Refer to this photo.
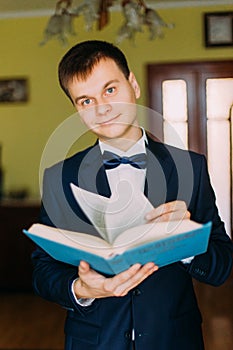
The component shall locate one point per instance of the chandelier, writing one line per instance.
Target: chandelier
(136, 16)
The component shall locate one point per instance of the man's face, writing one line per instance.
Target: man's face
(106, 101)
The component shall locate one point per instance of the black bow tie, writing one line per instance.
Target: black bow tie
(112, 160)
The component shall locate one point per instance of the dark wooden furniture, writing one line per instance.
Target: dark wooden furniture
(15, 247)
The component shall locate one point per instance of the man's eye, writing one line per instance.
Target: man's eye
(110, 90)
(86, 102)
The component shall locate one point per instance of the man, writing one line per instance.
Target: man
(143, 307)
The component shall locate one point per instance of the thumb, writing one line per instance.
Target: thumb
(83, 267)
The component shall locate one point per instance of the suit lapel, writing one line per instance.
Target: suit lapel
(161, 176)
(86, 171)
(92, 176)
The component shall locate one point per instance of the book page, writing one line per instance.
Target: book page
(152, 232)
(126, 208)
(76, 240)
(94, 206)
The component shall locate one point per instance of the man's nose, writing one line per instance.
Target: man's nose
(103, 108)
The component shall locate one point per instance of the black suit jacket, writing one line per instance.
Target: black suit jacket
(163, 309)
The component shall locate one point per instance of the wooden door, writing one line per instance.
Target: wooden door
(207, 102)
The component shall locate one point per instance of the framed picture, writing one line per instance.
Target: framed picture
(13, 90)
(218, 29)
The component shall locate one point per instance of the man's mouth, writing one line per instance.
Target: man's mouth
(108, 121)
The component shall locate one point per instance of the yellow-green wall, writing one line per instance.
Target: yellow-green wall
(25, 128)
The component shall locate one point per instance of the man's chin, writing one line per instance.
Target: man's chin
(109, 131)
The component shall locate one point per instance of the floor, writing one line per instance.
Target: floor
(216, 304)
(30, 323)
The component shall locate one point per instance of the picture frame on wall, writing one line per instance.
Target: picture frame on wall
(218, 29)
(13, 90)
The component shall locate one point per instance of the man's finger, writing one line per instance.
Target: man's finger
(127, 280)
(164, 211)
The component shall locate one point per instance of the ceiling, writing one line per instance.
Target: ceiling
(18, 8)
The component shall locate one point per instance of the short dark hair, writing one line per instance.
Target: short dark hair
(81, 58)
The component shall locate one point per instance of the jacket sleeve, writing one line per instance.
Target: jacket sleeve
(214, 266)
(52, 279)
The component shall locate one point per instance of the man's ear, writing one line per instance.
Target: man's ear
(134, 84)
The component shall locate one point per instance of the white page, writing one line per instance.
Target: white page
(155, 231)
(94, 206)
(126, 208)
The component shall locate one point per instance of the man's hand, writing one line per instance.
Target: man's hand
(176, 210)
(91, 284)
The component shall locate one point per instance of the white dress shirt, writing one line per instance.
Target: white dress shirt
(135, 177)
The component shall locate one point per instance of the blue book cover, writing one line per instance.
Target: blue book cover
(161, 243)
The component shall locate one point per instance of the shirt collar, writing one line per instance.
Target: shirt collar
(138, 147)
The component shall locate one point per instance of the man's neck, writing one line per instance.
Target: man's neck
(123, 144)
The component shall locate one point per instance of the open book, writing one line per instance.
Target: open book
(163, 243)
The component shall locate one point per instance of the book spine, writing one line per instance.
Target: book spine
(118, 263)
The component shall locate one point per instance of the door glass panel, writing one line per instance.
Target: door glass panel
(231, 136)
(174, 95)
(218, 137)
(219, 98)
(176, 134)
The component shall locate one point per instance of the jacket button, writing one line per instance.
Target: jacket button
(136, 292)
(127, 335)
(200, 272)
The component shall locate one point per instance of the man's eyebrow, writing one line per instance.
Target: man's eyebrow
(104, 87)
(80, 98)
(110, 82)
